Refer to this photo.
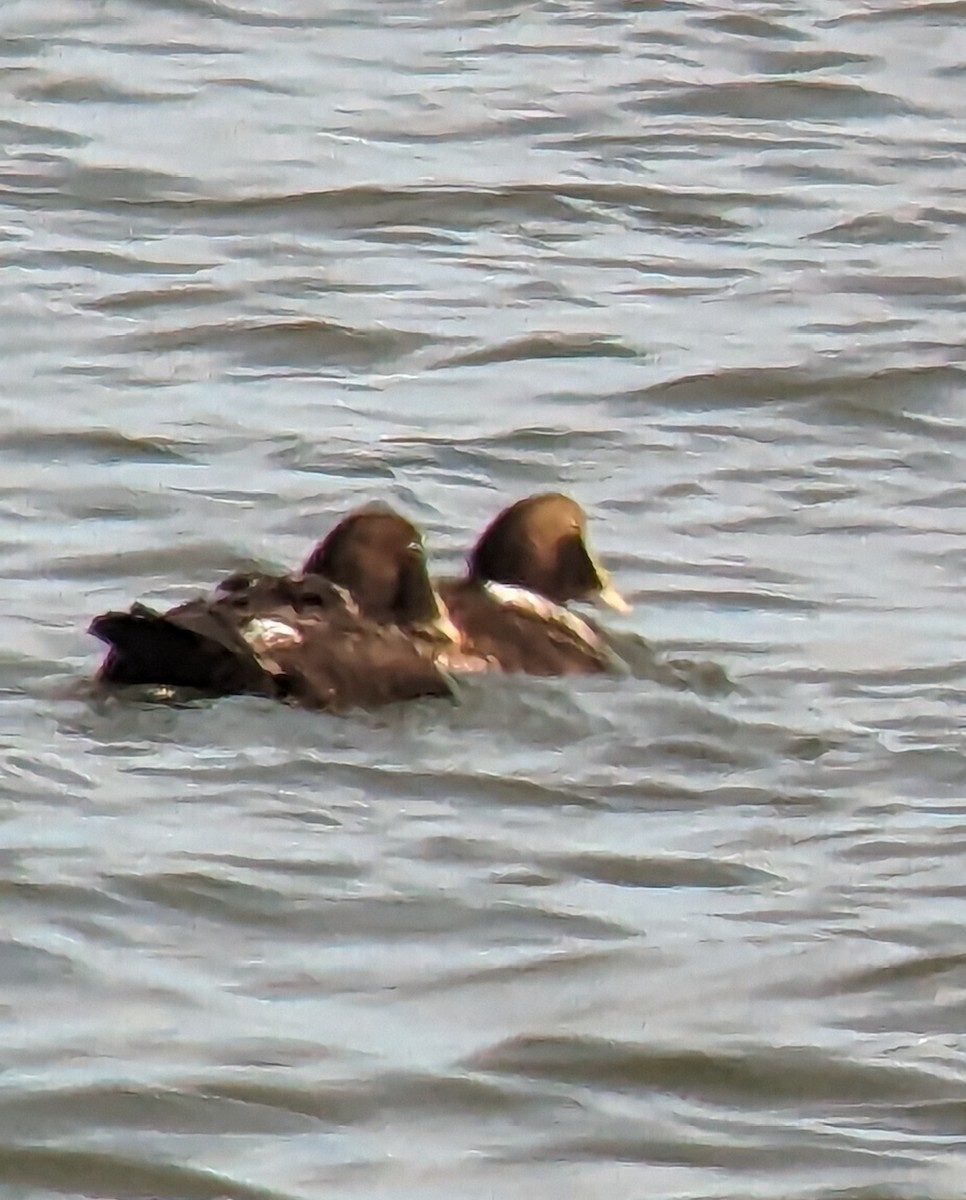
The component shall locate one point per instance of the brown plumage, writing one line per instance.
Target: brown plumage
(302, 639)
(189, 647)
(377, 556)
(309, 635)
(527, 564)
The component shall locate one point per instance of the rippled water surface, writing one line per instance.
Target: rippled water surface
(693, 933)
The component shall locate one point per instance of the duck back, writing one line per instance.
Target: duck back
(519, 631)
(297, 639)
(189, 647)
(309, 633)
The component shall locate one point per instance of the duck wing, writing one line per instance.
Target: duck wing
(309, 632)
(520, 631)
(338, 661)
(201, 644)
(296, 638)
(190, 646)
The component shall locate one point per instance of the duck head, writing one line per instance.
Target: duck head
(540, 544)
(377, 556)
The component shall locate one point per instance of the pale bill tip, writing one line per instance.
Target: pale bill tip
(610, 596)
(446, 629)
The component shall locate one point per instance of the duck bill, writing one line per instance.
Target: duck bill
(613, 599)
(438, 624)
(427, 614)
(597, 587)
(608, 594)
(441, 627)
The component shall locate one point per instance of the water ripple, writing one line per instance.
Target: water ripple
(690, 930)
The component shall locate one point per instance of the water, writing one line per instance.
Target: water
(691, 934)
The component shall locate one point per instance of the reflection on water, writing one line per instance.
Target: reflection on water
(691, 932)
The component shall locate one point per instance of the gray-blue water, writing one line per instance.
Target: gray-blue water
(693, 934)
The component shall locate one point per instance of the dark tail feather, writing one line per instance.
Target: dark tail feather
(149, 648)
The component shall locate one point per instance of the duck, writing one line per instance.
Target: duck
(508, 612)
(510, 607)
(366, 638)
(539, 544)
(377, 557)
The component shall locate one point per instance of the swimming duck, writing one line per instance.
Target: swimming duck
(306, 639)
(377, 556)
(509, 607)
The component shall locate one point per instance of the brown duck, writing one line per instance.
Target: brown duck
(509, 606)
(507, 613)
(365, 638)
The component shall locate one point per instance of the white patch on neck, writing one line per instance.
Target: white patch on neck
(547, 610)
